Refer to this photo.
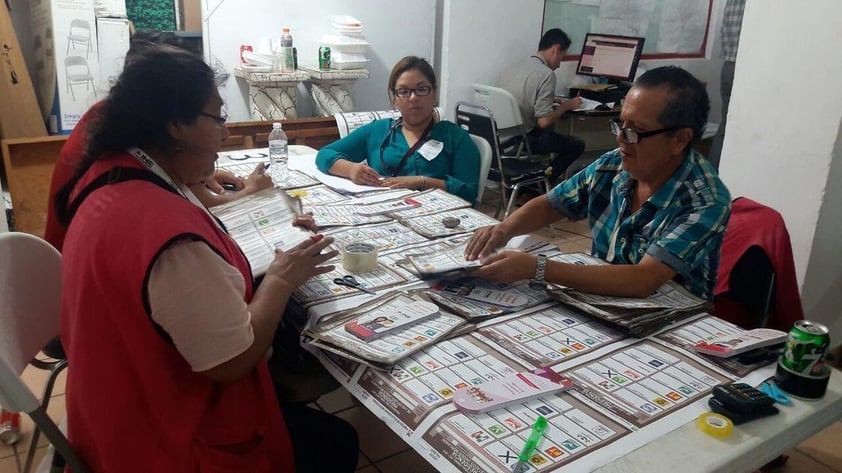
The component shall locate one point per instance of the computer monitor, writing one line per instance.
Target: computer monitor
(608, 56)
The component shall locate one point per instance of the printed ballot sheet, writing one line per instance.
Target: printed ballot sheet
(385, 236)
(259, 223)
(627, 391)
(431, 226)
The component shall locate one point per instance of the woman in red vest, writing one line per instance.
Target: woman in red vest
(165, 335)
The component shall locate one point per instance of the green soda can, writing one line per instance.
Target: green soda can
(805, 348)
(324, 58)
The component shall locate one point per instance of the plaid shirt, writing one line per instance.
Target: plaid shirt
(682, 225)
(732, 21)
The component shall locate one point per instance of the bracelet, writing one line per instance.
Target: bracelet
(423, 183)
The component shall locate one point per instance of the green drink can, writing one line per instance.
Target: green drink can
(324, 58)
(806, 346)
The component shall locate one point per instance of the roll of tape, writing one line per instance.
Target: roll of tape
(800, 385)
(715, 425)
(359, 257)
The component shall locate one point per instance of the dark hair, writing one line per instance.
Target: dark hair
(687, 104)
(553, 37)
(143, 41)
(407, 64)
(159, 86)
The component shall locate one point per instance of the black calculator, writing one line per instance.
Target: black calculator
(741, 402)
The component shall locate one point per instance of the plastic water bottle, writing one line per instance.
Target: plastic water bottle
(287, 56)
(278, 154)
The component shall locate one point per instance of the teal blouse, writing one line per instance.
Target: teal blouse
(457, 163)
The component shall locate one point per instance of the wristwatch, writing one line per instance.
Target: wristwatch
(538, 281)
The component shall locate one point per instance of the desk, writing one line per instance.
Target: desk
(629, 393)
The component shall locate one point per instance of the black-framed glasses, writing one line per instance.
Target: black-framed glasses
(632, 136)
(405, 92)
(220, 119)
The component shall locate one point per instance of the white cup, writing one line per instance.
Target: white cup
(359, 257)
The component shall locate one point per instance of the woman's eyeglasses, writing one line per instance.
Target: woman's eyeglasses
(220, 119)
(632, 136)
(405, 92)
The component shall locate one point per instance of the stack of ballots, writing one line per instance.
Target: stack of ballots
(633, 315)
(347, 44)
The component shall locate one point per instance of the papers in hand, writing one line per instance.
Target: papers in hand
(430, 265)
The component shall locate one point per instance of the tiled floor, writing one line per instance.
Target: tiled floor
(381, 450)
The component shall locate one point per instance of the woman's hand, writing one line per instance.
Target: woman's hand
(405, 182)
(258, 180)
(297, 265)
(306, 221)
(364, 175)
(221, 178)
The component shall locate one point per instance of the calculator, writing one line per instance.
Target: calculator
(741, 402)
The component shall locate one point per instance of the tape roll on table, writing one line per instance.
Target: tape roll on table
(359, 257)
(802, 385)
(715, 425)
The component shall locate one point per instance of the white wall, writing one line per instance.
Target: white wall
(782, 145)
(395, 28)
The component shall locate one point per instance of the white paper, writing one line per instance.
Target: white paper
(307, 165)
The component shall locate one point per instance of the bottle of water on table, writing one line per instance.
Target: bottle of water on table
(278, 154)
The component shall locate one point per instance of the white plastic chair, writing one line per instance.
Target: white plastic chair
(485, 157)
(507, 115)
(30, 292)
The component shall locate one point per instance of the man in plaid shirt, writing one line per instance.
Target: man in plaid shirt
(657, 209)
(732, 21)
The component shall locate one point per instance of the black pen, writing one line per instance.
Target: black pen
(265, 167)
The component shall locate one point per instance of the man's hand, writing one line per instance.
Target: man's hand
(571, 104)
(221, 178)
(485, 241)
(364, 175)
(507, 267)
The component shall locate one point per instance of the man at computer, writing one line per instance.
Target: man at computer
(656, 208)
(532, 83)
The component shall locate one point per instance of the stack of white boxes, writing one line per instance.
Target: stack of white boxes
(79, 46)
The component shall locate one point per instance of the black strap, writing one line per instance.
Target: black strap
(410, 151)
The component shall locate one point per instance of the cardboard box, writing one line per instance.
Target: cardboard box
(110, 8)
(66, 61)
(112, 36)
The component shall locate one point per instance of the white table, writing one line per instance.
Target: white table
(752, 445)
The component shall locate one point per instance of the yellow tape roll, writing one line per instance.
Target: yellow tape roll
(715, 425)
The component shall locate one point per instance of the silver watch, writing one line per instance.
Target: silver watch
(538, 282)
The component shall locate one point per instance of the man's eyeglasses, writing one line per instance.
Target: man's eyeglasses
(220, 120)
(405, 92)
(632, 136)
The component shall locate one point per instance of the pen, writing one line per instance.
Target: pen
(538, 429)
(265, 167)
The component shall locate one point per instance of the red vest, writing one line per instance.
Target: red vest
(133, 402)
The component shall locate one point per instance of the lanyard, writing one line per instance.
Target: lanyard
(185, 191)
(409, 152)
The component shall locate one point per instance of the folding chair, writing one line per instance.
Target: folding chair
(513, 173)
(79, 34)
(30, 291)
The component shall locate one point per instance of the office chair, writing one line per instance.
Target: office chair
(79, 34)
(77, 72)
(30, 291)
(512, 173)
(485, 157)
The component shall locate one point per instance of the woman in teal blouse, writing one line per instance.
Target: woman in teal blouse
(415, 151)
